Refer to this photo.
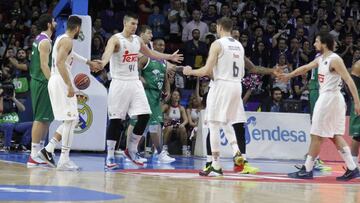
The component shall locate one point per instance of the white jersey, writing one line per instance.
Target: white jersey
(230, 65)
(68, 61)
(124, 63)
(328, 80)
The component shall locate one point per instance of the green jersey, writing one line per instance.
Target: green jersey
(35, 66)
(154, 74)
(314, 83)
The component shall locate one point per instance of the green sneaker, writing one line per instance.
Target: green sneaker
(211, 172)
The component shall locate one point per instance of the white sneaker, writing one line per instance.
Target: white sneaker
(67, 166)
(119, 152)
(165, 158)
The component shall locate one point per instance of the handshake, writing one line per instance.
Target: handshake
(96, 65)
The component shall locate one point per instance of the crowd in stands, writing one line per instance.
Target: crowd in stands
(271, 31)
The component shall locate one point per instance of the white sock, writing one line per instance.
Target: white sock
(42, 144)
(244, 156)
(35, 148)
(215, 162)
(50, 147)
(66, 139)
(345, 153)
(230, 135)
(356, 160)
(133, 142)
(208, 158)
(64, 157)
(309, 163)
(235, 148)
(110, 146)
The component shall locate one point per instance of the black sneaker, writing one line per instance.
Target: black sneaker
(349, 174)
(301, 174)
(211, 172)
(47, 157)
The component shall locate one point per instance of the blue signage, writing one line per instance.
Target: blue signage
(52, 193)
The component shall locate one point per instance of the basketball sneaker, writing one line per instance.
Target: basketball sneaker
(319, 165)
(35, 162)
(211, 172)
(47, 157)
(67, 166)
(238, 159)
(301, 174)
(349, 174)
(110, 164)
(207, 165)
(248, 169)
(165, 158)
(133, 157)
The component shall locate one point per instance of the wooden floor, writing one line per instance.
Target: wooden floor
(151, 187)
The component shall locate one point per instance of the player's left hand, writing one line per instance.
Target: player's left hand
(175, 57)
(187, 70)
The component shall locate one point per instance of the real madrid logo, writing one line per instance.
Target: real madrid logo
(81, 36)
(85, 113)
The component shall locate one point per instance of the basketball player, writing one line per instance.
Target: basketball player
(239, 129)
(62, 93)
(355, 119)
(224, 98)
(328, 120)
(40, 74)
(122, 51)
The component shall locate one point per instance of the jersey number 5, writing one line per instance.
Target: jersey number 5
(235, 70)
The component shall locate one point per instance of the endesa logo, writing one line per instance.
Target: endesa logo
(128, 57)
(275, 134)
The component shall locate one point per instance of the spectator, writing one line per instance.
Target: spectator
(279, 47)
(195, 24)
(347, 50)
(175, 119)
(235, 34)
(261, 55)
(275, 103)
(97, 47)
(177, 18)
(212, 30)
(195, 51)
(193, 113)
(245, 42)
(285, 87)
(145, 9)
(20, 68)
(157, 22)
(337, 29)
(356, 55)
(211, 16)
(353, 10)
(225, 10)
(9, 119)
(99, 30)
(296, 54)
(350, 27)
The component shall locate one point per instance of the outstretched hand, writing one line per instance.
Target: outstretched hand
(187, 70)
(95, 65)
(278, 70)
(175, 57)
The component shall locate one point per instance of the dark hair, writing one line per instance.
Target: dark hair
(143, 29)
(192, 32)
(43, 21)
(328, 39)
(73, 22)
(226, 23)
(275, 89)
(130, 15)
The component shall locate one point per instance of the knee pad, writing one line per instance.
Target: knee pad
(141, 124)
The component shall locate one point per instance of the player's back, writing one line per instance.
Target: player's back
(123, 64)
(230, 64)
(68, 61)
(329, 80)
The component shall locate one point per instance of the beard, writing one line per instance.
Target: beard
(76, 36)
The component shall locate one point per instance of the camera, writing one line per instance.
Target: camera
(8, 90)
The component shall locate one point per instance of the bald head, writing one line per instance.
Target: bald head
(355, 70)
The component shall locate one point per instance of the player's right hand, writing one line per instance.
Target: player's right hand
(187, 70)
(357, 108)
(71, 91)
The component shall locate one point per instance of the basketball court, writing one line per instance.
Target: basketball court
(176, 182)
